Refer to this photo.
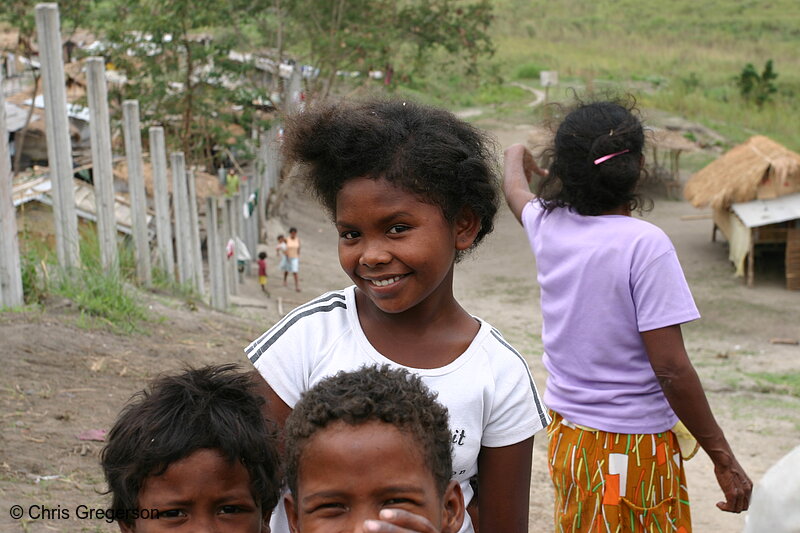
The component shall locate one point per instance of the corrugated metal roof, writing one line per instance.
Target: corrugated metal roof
(762, 212)
(39, 189)
(15, 117)
(73, 110)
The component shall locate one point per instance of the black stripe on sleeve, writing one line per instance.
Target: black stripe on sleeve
(539, 409)
(279, 325)
(264, 346)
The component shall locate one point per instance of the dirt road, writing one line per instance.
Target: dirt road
(60, 379)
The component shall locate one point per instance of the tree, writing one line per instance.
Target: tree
(20, 15)
(180, 69)
(359, 34)
(756, 87)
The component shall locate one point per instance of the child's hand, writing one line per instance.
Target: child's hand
(517, 154)
(518, 169)
(735, 484)
(399, 521)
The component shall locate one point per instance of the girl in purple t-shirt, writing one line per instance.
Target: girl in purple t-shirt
(613, 299)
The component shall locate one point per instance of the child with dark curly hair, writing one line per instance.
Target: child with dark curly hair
(410, 189)
(193, 452)
(613, 299)
(370, 450)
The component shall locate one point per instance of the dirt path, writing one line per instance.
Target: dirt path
(60, 379)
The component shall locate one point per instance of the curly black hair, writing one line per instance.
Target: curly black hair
(423, 150)
(393, 396)
(589, 132)
(212, 407)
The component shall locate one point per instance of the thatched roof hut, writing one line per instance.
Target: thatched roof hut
(758, 177)
(759, 169)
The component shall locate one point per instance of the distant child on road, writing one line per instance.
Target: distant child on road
(262, 271)
(369, 450)
(410, 189)
(613, 298)
(195, 448)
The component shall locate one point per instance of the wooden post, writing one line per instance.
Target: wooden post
(224, 235)
(102, 169)
(229, 226)
(216, 257)
(238, 216)
(133, 154)
(210, 222)
(183, 234)
(294, 90)
(751, 259)
(59, 147)
(271, 161)
(194, 225)
(10, 273)
(249, 227)
(158, 158)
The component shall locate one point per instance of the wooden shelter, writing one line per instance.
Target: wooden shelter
(666, 147)
(752, 192)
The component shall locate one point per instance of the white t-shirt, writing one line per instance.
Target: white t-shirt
(488, 390)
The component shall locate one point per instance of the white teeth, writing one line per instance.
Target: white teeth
(385, 282)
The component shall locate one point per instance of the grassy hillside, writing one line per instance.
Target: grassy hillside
(681, 56)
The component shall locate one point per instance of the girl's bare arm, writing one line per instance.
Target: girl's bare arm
(685, 394)
(504, 482)
(518, 169)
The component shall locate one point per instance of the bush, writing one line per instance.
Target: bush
(528, 71)
(756, 87)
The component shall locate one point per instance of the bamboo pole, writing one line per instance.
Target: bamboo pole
(102, 169)
(139, 226)
(59, 147)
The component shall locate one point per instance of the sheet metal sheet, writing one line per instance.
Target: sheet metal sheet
(762, 212)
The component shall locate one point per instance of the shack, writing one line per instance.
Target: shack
(33, 202)
(753, 193)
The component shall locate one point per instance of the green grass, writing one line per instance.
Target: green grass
(679, 56)
(784, 382)
(103, 298)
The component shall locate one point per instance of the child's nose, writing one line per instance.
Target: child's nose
(374, 254)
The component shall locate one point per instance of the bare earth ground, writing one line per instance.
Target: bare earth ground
(60, 378)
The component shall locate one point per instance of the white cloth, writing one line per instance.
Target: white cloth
(775, 505)
(488, 390)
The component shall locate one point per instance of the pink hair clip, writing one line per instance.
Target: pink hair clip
(609, 156)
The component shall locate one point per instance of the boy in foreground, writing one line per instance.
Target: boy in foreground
(193, 453)
(370, 451)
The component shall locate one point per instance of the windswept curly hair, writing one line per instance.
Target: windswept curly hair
(588, 133)
(212, 407)
(393, 396)
(423, 150)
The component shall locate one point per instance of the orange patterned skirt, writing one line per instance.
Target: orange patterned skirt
(616, 482)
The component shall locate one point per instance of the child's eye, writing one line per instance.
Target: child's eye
(397, 501)
(231, 509)
(398, 228)
(348, 235)
(328, 509)
(171, 513)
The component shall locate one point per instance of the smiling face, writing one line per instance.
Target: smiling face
(202, 492)
(348, 474)
(397, 249)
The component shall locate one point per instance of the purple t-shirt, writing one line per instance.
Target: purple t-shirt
(603, 280)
